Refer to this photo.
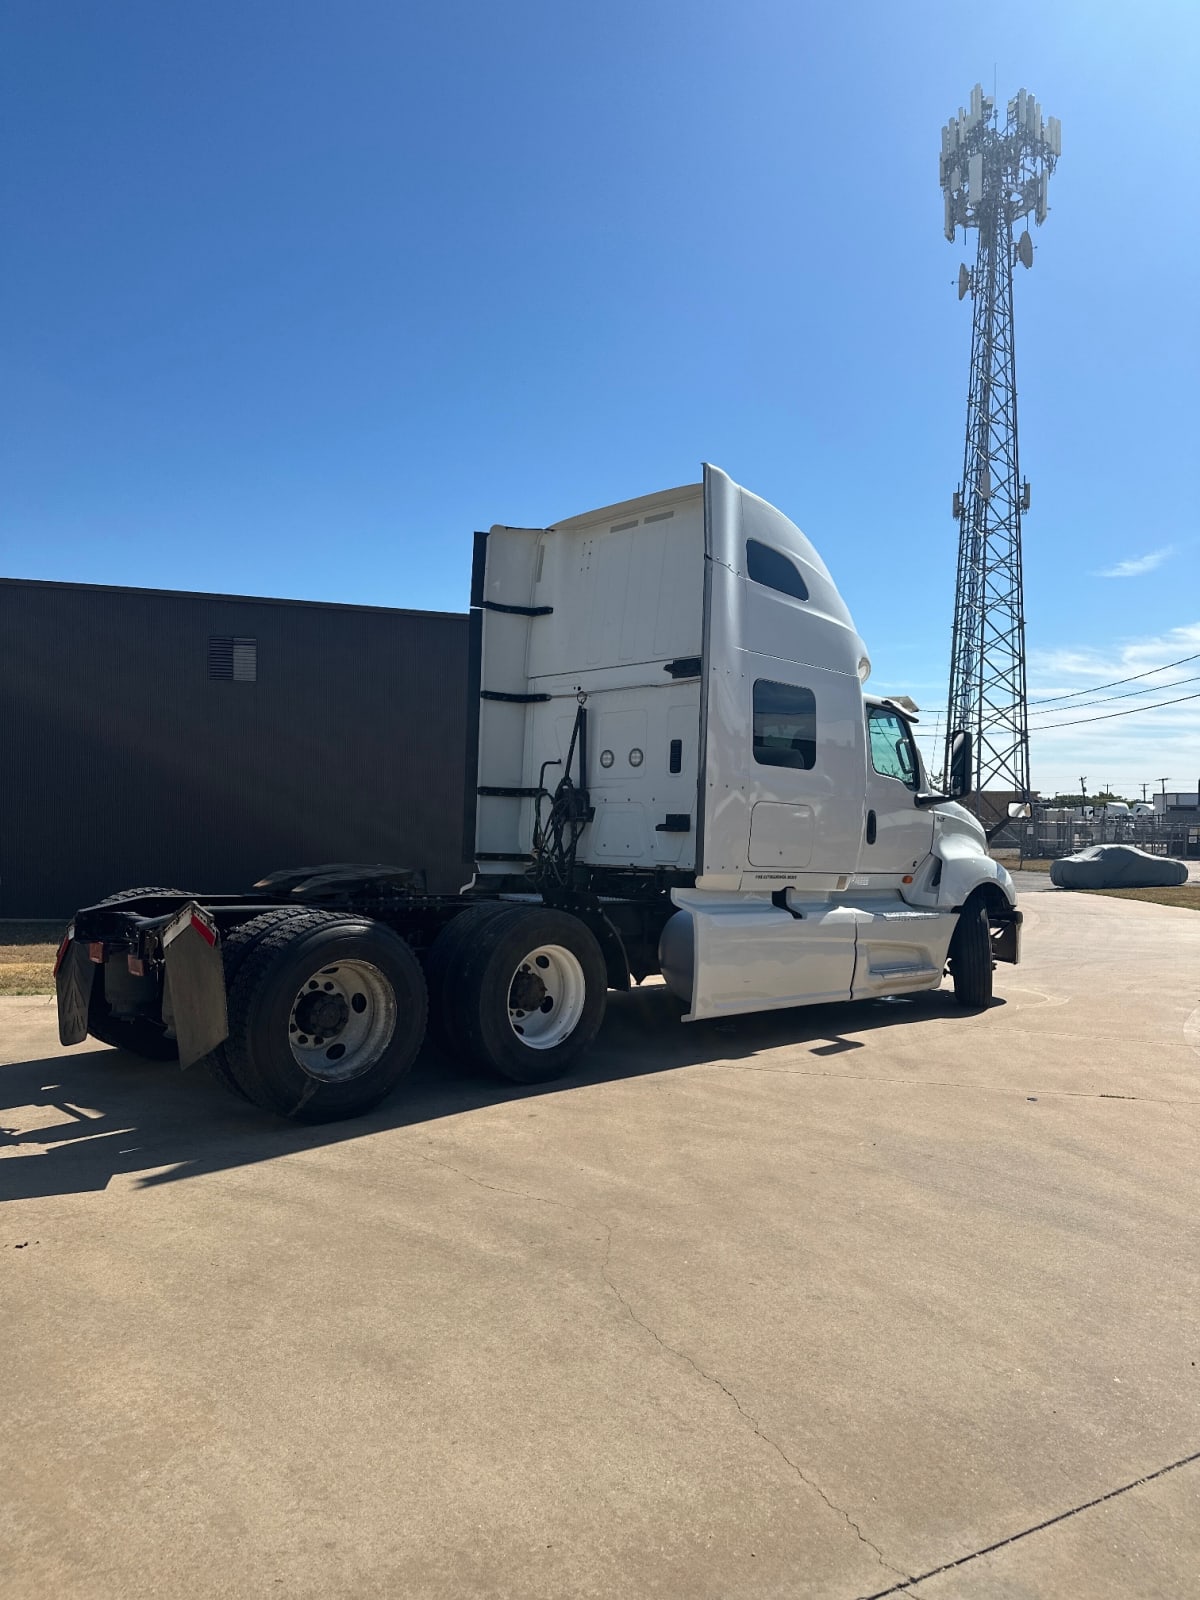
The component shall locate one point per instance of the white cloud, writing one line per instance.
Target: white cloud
(1052, 672)
(1139, 565)
(1125, 751)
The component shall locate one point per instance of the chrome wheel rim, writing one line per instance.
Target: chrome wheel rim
(546, 997)
(341, 1021)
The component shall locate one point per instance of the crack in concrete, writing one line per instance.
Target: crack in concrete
(1038, 1527)
(709, 1377)
(682, 1355)
(499, 1188)
(945, 1083)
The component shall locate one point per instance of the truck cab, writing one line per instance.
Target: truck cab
(675, 769)
(687, 662)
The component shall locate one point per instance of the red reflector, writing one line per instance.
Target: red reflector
(202, 928)
(61, 956)
(907, 878)
(96, 952)
(137, 967)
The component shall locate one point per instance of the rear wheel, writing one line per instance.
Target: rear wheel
(530, 992)
(326, 1015)
(138, 894)
(442, 972)
(971, 962)
(141, 1036)
(236, 945)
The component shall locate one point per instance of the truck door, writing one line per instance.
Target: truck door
(898, 834)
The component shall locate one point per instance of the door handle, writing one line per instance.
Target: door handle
(870, 827)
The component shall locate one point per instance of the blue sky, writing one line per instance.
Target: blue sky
(295, 296)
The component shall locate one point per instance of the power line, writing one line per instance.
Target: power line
(1151, 688)
(1108, 715)
(1117, 682)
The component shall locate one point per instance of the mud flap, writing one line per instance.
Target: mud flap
(1006, 938)
(194, 985)
(73, 986)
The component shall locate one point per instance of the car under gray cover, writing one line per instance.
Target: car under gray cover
(1117, 866)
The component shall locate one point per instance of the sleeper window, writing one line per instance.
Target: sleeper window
(785, 725)
(891, 747)
(774, 570)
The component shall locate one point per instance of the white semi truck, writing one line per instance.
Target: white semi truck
(674, 769)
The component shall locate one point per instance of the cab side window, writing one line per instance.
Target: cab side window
(785, 725)
(891, 746)
(774, 570)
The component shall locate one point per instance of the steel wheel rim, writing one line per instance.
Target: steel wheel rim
(341, 1021)
(547, 994)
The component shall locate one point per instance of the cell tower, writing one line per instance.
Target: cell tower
(993, 173)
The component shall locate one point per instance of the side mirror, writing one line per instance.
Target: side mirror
(1017, 809)
(961, 764)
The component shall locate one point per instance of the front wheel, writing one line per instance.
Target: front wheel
(971, 962)
(529, 993)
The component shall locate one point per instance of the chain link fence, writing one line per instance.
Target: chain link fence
(1053, 832)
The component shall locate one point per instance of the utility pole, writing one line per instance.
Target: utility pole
(993, 173)
(1145, 786)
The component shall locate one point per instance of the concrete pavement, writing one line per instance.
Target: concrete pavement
(813, 1304)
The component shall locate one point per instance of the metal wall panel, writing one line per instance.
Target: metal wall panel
(125, 764)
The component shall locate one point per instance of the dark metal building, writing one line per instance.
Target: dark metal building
(198, 741)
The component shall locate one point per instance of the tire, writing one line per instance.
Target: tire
(531, 1036)
(137, 894)
(971, 962)
(236, 945)
(139, 1035)
(441, 972)
(353, 979)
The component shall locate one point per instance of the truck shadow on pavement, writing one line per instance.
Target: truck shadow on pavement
(71, 1123)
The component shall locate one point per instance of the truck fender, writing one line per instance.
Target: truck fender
(963, 875)
(966, 877)
(616, 962)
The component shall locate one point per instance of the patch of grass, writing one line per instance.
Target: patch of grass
(1184, 894)
(27, 951)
